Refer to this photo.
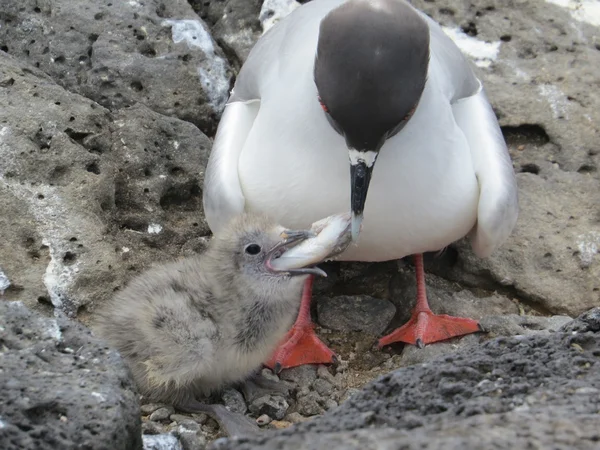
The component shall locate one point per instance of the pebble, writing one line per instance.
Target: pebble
(324, 373)
(301, 375)
(149, 427)
(149, 408)
(349, 393)
(161, 442)
(295, 417)
(188, 425)
(355, 313)
(161, 414)
(192, 441)
(263, 420)
(234, 401)
(274, 406)
(323, 387)
(330, 403)
(201, 418)
(308, 405)
(280, 424)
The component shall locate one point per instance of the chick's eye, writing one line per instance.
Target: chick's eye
(253, 249)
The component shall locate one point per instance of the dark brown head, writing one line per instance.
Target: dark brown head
(370, 71)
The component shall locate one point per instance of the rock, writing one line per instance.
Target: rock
(155, 53)
(149, 408)
(323, 388)
(234, 401)
(274, 406)
(358, 313)
(329, 403)
(149, 427)
(588, 321)
(161, 442)
(324, 373)
(161, 414)
(125, 186)
(190, 440)
(512, 392)
(61, 387)
(513, 324)
(309, 404)
(295, 417)
(263, 420)
(234, 25)
(301, 375)
(280, 424)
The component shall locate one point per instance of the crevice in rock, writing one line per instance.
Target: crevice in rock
(525, 134)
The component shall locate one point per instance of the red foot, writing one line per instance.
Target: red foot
(424, 327)
(300, 346)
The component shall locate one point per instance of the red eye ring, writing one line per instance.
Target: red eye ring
(323, 105)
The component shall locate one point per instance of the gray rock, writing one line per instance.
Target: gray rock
(302, 376)
(512, 324)
(161, 442)
(588, 321)
(274, 406)
(149, 427)
(323, 387)
(156, 53)
(149, 408)
(513, 392)
(190, 440)
(295, 417)
(234, 401)
(358, 313)
(309, 404)
(125, 186)
(234, 25)
(61, 387)
(324, 373)
(161, 414)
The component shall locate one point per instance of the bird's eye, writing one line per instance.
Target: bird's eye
(253, 249)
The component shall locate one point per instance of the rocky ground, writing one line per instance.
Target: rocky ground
(107, 110)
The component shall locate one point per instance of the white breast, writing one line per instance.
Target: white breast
(423, 193)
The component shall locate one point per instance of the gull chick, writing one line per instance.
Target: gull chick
(191, 327)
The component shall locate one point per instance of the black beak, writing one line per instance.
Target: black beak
(360, 177)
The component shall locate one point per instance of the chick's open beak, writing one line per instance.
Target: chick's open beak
(289, 239)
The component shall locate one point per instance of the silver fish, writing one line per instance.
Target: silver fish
(332, 237)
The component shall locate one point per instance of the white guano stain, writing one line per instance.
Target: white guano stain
(556, 99)
(214, 77)
(588, 245)
(154, 228)
(483, 53)
(4, 282)
(587, 11)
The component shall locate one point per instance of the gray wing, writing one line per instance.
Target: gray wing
(498, 200)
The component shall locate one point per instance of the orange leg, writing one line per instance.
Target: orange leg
(301, 345)
(424, 327)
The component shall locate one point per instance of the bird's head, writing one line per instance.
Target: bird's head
(249, 245)
(370, 71)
